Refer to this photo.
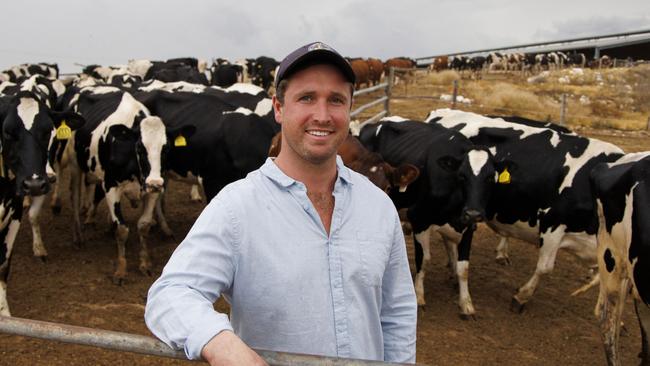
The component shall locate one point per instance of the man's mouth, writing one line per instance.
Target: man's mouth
(318, 132)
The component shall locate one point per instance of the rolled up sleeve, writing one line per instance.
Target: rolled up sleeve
(180, 304)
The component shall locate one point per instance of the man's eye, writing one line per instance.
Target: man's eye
(337, 100)
(306, 98)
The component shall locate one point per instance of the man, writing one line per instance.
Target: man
(309, 254)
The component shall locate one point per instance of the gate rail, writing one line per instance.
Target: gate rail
(149, 346)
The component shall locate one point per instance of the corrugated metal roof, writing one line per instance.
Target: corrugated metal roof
(602, 42)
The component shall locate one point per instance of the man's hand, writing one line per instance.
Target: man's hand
(226, 349)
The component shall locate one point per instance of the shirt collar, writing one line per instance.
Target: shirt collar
(274, 173)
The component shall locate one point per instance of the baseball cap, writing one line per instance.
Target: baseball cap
(310, 54)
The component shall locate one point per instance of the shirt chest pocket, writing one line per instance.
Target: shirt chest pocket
(373, 257)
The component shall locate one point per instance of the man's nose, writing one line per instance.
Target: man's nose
(321, 112)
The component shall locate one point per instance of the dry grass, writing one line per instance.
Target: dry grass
(445, 78)
(609, 98)
(513, 97)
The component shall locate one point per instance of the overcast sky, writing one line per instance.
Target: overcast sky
(111, 32)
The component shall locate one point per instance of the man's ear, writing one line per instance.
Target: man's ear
(277, 109)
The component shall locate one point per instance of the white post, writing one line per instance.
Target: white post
(563, 110)
(454, 95)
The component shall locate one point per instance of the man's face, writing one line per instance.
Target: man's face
(315, 115)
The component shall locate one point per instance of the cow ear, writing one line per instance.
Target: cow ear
(188, 130)
(449, 163)
(122, 132)
(71, 118)
(404, 175)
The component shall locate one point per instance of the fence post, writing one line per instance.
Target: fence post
(389, 89)
(647, 126)
(454, 95)
(563, 110)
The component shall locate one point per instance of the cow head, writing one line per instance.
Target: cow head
(28, 130)
(477, 176)
(151, 149)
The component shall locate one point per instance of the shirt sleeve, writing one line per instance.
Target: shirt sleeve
(180, 309)
(399, 304)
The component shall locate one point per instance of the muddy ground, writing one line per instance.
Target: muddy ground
(74, 287)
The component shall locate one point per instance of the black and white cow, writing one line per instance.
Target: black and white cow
(11, 209)
(496, 61)
(226, 74)
(576, 59)
(14, 73)
(544, 196)
(121, 147)
(263, 71)
(221, 119)
(29, 124)
(622, 190)
(541, 62)
(476, 64)
(451, 192)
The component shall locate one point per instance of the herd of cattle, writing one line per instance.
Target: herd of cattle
(516, 61)
(124, 132)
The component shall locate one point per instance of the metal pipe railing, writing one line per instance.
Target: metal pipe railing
(127, 342)
(370, 89)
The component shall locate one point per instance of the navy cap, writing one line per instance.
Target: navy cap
(312, 54)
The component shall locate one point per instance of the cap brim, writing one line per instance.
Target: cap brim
(322, 56)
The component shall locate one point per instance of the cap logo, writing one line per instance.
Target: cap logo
(319, 46)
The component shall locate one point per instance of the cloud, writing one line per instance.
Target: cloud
(592, 26)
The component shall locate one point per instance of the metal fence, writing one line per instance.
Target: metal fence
(126, 342)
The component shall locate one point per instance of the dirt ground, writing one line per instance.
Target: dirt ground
(74, 287)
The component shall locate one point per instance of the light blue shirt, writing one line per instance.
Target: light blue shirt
(292, 288)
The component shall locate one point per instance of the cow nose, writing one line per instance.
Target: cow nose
(35, 186)
(153, 184)
(472, 216)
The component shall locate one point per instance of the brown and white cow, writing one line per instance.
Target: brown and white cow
(356, 157)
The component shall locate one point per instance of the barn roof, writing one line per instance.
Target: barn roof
(602, 42)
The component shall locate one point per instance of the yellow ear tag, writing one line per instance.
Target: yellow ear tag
(504, 177)
(180, 141)
(63, 132)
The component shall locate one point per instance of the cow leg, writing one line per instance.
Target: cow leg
(422, 256)
(37, 241)
(611, 310)
(643, 314)
(550, 244)
(75, 192)
(160, 216)
(89, 203)
(55, 199)
(452, 255)
(9, 236)
(502, 252)
(121, 232)
(144, 225)
(467, 310)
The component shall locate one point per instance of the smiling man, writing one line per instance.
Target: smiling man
(309, 254)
